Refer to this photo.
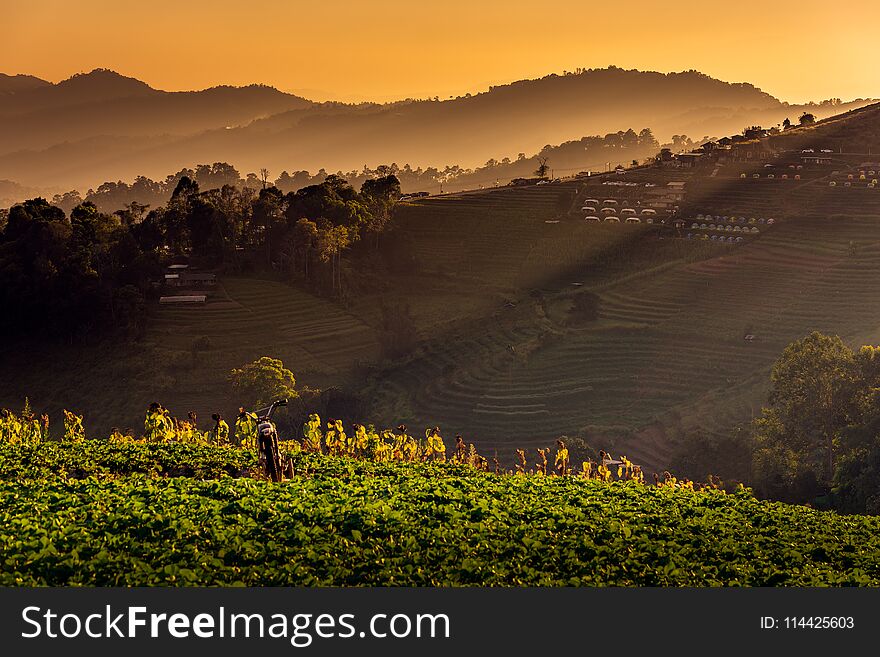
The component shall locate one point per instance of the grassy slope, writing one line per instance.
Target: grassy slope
(667, 350)
(245, 319)
(505, 357)
(349, 523)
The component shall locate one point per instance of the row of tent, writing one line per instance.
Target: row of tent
(595, 202)
(616, 220)
(784, 176)
(734, 220)
(873, 183)
(715, 238)
(727, 229)
(863, 174)
(648, 212)
(620, 183)
(624, 211)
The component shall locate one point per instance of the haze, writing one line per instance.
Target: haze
(389, 49)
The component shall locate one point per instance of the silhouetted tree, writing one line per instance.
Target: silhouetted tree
(543, 167)
(380, 195)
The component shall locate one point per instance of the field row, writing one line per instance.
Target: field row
(350, 524)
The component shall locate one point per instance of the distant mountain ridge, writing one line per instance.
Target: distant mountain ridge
(104, 126)
(36, 116)
(97, 86)
(10, 84)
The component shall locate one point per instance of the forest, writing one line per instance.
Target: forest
(89, 273)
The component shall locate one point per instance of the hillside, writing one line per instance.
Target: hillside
(343, 522)
(854, 131)
(506, 120)
(245, 319)
(665, 353)
(98, 126)
(532, 322)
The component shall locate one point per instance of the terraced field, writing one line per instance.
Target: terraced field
(458, 235)
(243, 319)
(667, 348)
(249, 318)
(725, 195)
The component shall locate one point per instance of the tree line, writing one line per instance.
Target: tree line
(566, 158)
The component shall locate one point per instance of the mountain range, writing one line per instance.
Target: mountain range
(101, 125)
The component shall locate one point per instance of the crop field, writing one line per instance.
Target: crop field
(90, 513)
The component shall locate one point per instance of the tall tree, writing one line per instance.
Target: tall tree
(381, 195)
(332, 241)
(305, 240)
(543, 167)
(268, 209)
(812, 399)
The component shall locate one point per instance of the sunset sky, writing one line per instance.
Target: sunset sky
(388, 49)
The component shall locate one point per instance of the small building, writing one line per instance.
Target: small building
(190, 279)
(183, 299)
(688, 160)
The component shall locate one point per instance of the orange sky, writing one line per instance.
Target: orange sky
(386, 49)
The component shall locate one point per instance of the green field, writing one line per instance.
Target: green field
(341, 522)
